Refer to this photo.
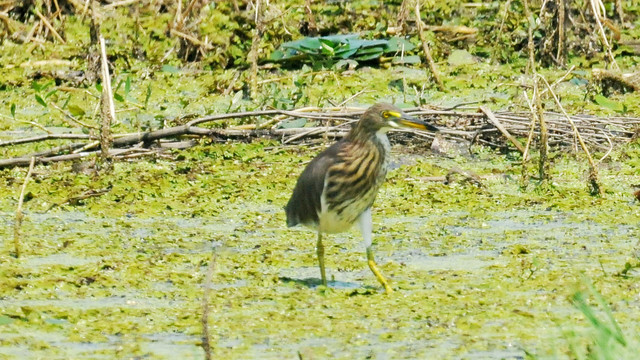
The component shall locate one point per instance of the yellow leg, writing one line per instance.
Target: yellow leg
(376, 272)
(320, 252)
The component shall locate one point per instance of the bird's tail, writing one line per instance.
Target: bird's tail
(292, 218)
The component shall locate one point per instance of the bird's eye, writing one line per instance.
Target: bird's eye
(386, 114)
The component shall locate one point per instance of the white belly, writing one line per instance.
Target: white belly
(332, 222)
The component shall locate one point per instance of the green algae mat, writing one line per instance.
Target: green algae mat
(479, 272)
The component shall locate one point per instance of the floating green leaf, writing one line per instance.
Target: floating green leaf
(66, 102)
(346, 52)
(170, 69)
(4, 320)
(235, 101)
(296, 123)
(127, 86)
(609, 104)
(76, 110)
(370, 54)
(397, 44)
(146, 98)
(13, 110)
(334, 48)
(40, 100)
(50, 93)
(276, 55)
(460, 58)
(411, 59)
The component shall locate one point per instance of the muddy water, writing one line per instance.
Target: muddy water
(473, 297)
(479, 273)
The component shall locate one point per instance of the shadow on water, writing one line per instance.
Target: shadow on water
(313, 283)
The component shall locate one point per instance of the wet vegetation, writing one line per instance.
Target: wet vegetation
(492, 260)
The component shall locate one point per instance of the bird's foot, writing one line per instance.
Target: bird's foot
(381, 279)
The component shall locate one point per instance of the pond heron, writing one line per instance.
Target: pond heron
(338, 187)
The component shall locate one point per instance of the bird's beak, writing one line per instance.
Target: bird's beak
(404, 120)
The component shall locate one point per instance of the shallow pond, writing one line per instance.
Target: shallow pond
(479, 272)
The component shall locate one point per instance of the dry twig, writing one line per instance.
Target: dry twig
(46, 23)
(206, 345)
(120, 3)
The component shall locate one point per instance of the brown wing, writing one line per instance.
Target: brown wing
(304, 205)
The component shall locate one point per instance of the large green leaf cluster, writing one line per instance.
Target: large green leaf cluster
(331, 49)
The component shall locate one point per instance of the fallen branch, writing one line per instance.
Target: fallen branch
(76, 200)
(494, 120)
(468, 176)
(44, 137)
(192, 39)
(472, 126)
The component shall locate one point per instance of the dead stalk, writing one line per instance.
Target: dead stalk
(534, 120)
(560, 55)
(206, 345)
(530, 46)
(426, 49)
(619, 10)
(525, 156)
(403, 15)
(593, 173)
(108, 107)
(255, 48)
(597, 7)
(504, 17)
(19, 214)
(544, 135)
(312, 26)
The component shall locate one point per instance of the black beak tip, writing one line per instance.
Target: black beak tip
(431, 127)
(416, 120)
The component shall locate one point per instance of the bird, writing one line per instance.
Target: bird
(338, 187)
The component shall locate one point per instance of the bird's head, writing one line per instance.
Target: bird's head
(383, 117)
